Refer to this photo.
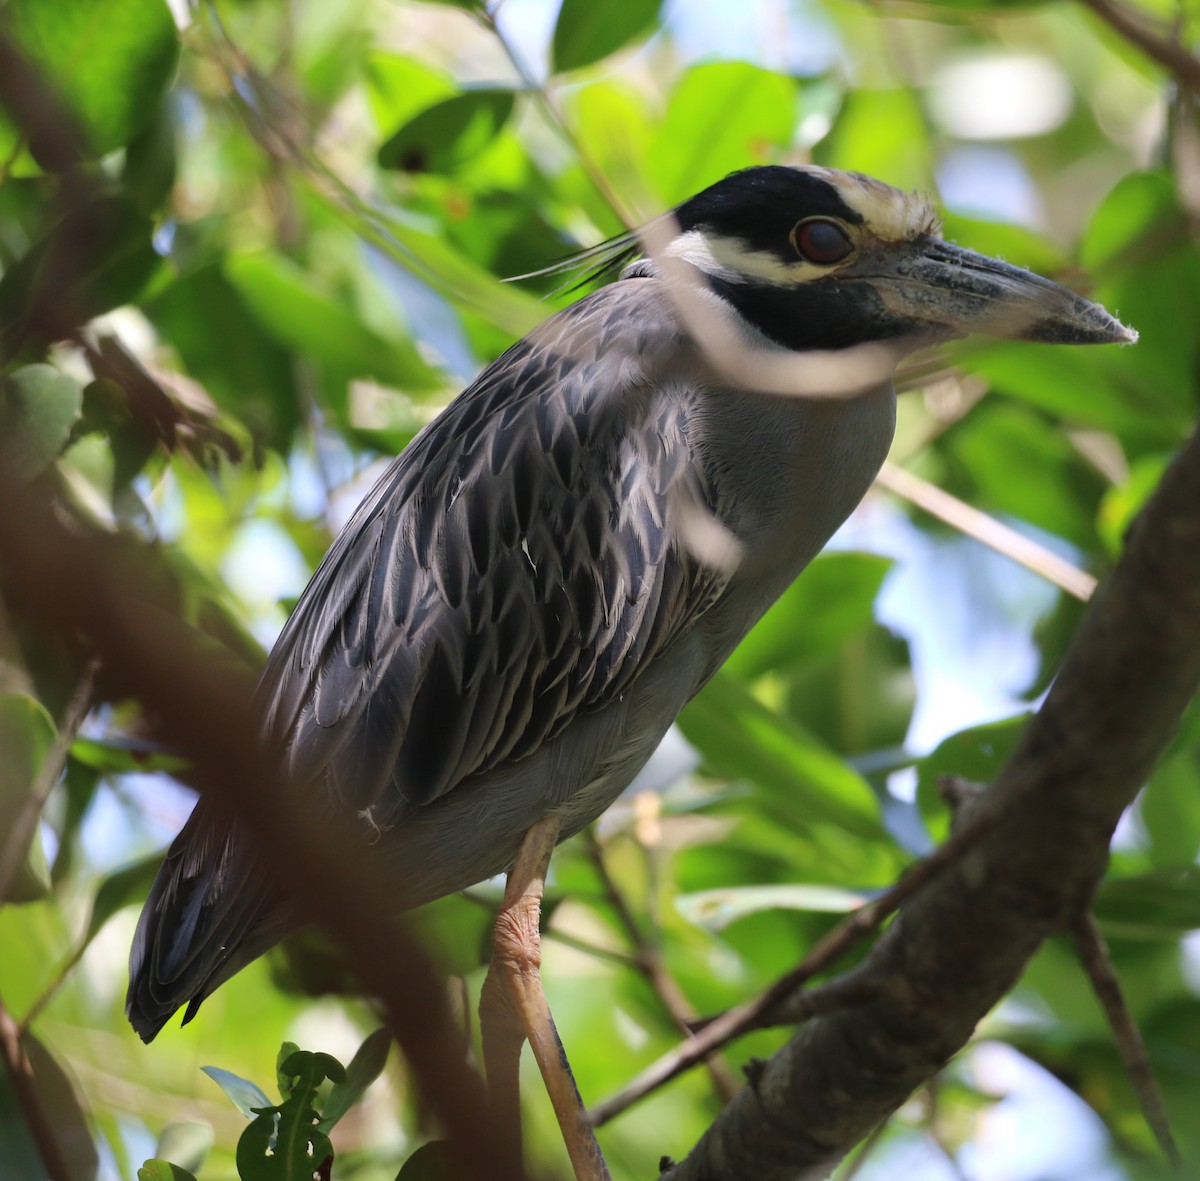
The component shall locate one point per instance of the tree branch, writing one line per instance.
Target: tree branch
(958, 945)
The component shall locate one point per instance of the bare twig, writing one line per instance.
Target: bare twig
(17, 842)
(649, 962)
(37, 1119)
(1094, 955)
(594, 172)
(987, 530)
(1152, 38)
(780, 1002)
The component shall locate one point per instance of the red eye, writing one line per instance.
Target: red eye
(821, 241)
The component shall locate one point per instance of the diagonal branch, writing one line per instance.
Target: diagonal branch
(959, 945)
(1151, 37)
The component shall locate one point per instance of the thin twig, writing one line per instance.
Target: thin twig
(987, 530)
(1097, 962)
(649, 962)
(754, 1014)
(17, 842)
(592, 170)
(37, 1120)
(1151, 38)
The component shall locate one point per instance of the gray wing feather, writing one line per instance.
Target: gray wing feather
(516, 565)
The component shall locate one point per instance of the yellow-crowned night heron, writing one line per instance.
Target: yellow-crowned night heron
(517, 612)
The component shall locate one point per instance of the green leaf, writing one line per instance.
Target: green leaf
(739, 736)
(119, 889)
(38, 407)
(881, 133)
(110, 60)
(817, 614)
(186, 1143)
(716, 909)
(365, 1067)
(1058, 490)
(449, 133)
(251, 375)
(246, 1096)
(161, 1170)
(975, 754)
(298, 312)
(588, 30)
(399, 86)
(56, 1096)
(1160, 905)
(95, 259)
(284, 1142)
(431, 1162)
(722, 116)
(26, 734)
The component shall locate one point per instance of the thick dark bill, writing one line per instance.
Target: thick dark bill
(936, 283)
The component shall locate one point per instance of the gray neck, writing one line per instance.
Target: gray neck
(786, 472)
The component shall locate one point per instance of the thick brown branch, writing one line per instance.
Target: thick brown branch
(959, 945)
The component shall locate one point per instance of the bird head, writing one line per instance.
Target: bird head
(818, 259)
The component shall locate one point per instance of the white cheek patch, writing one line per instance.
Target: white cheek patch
(728, 258)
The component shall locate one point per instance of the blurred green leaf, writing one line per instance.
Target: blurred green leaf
(721, 116)
(716, 909)
(399, 86)
(252, 374)
(365, 1067)
(38, 407)
(26, 734)
(162, 1170)
(884, 134)
(431, 1162)
(449, 133)
(118, 890)
(1059, 491)
(95, 259)
(1159, 905)
(187, 1144)
(975, 754)
(110, 60)
(56, 1095)
(739, 736)
(588, 30)
(1169, 808)
(816, 614)
(243, 1094)
(292, 306)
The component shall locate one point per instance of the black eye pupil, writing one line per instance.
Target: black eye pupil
(821, 241)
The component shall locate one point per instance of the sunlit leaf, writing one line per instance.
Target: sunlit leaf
(38, 406)
(722, 116)
(110, 60)
(293, 308)
(449, 133)
(588, 30)
(716, 909)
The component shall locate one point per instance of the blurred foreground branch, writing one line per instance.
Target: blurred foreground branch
(83, 584)
(960, 944)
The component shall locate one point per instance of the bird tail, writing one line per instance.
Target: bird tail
(209, 913)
